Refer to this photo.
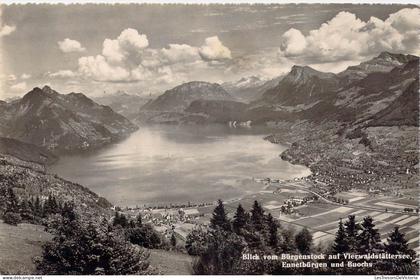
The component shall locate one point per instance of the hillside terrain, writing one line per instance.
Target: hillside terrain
(61, 122)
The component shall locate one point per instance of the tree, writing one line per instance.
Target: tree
(12, 218)
(369, 238)
(397, 245)
(273, 239)
(120, 220)
(304, 242)
(222, 255)
(196, 242)
(219, 218)
(340, 245)
(173, 239)
(352, 233)
(79, 249)
(240, 219)
(144, 235)
(288, 244)
(12, 203)
(25, 210)
(257, 217)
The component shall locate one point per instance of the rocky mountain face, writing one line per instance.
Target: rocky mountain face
(251, 88)
(303, 85)
(180, 97)
(385, 62)
(381, 85)
(125, 104)
(59, 122)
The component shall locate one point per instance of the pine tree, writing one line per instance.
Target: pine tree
(273, 239)
(240, 219)
(139, 221)
(340, 245)
(397, 245)
(369, 238)
(25, 210)
(38, 209)
(304, 241)
(257, 217)
(219, 218)
(12, 203)
(352, 233)
(173, 239)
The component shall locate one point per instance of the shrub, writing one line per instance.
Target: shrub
(12, 218)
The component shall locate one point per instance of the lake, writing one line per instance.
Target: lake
(159, 165)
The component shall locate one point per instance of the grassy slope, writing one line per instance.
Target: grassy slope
(18, 246)
(170, 262)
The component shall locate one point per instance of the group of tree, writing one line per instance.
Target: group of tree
(27, 209)
(363, 238)
(85, 248)
(220, 247)
(137, 232)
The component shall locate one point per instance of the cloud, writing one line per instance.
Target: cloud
(99, 69)
(129, 58)
(63, 74)
(25, 76)
(69, 45)
(180, 53)
(213, 49)
(5, 29)
(128, 45)
(346, 37)
(19, 87)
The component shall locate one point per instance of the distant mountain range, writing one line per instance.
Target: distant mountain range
(381, 91)
(250, 88)
(61, 122)
(125, 104)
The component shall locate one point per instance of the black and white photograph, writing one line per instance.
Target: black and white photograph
(200, 138)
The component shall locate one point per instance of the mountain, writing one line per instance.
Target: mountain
(219, 111)
(250, 88)
(363, 99)
(302, 85)
(403, 111)
(62, 122)
(384, 86)
(180, 97)
(125, 104)
(384, 62)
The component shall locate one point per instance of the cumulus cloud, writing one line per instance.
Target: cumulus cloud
(346, 37)
(69, 45)
(180, 53)
(128, 58)
(128, 45)
(213, 49)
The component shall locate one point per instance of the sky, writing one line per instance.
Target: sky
(146, 49)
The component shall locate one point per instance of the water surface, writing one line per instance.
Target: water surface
(160, 165)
